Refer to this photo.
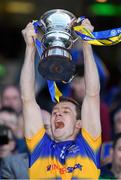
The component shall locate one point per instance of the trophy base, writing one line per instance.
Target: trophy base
(57, 68)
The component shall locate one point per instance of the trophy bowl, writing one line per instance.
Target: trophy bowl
(57, 39)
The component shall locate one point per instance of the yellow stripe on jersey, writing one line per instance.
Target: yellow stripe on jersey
(93, 143)
(32, 142)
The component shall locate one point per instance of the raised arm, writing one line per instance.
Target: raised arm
(91, 103)
(31, 110)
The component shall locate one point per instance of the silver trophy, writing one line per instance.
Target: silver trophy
(57, 37)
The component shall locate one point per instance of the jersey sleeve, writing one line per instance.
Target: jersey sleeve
(32, 142)
(94, 143)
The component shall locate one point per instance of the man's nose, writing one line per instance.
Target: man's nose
(58, 113)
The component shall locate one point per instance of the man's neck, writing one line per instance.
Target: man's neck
(71, 138)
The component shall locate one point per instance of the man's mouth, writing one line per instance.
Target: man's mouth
(59, 125)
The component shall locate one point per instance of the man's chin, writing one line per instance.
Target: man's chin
(58, 134)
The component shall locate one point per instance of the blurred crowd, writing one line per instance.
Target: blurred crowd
(13, 150)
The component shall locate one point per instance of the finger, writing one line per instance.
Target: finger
(86, 21)
(88, 25)
(29, 25)
(80, 19)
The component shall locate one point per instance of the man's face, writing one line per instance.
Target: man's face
(117, 154)
(63, 121)
(11, 97)
(9, 119)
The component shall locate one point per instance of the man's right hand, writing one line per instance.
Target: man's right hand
(29, 35)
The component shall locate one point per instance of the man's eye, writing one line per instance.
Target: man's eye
(66, 111)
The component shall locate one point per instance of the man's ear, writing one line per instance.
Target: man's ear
(78, 124)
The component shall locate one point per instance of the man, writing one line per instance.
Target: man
(9, 117)
(11, 165)
(113, 170)
(71, 154)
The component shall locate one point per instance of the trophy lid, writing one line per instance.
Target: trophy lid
(57, 18)
(58, 11)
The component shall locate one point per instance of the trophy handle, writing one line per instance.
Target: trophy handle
(76, 22)
(42, 24)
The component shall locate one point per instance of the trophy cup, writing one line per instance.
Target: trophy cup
(57, 39)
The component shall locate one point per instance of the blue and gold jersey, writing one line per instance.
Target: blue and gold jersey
(64, 160)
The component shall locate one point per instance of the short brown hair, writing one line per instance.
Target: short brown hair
(73, 101)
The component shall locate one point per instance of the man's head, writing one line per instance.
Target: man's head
(11, 97)
(116, 152)
(66, 119)
(8, 117)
